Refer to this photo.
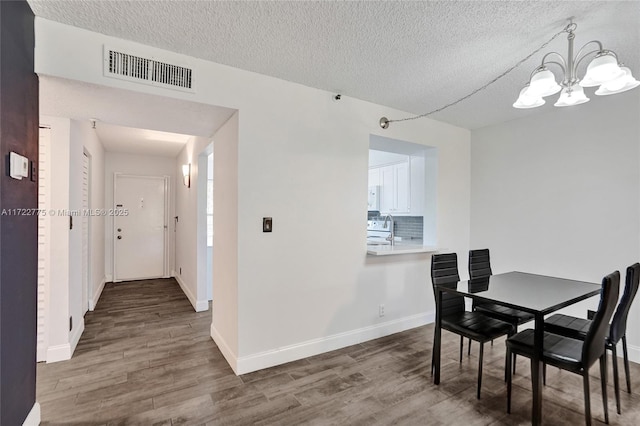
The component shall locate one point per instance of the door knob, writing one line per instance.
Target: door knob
(119, 237)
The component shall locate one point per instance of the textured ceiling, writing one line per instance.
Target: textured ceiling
(122, 113)
(414, 56)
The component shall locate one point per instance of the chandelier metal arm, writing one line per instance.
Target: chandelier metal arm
(562, 66)
(579, 55)
(544, 59)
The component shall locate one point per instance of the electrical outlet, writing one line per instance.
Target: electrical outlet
(381, 310)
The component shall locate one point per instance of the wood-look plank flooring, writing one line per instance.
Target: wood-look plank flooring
(146, 358)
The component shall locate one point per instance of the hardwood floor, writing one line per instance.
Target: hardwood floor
(146, 358)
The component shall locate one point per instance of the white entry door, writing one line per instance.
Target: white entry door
(140, 227)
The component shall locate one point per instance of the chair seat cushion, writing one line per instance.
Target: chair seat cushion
(559, 351)
(568, 326)
(504, 313)
(476, 326)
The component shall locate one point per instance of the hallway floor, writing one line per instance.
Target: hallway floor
(146, 358)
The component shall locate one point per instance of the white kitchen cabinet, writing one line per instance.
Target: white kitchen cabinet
(374, 176)
(395, 188)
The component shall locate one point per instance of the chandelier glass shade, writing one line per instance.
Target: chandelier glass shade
(604, 70)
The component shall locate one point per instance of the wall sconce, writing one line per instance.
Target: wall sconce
(186, 175)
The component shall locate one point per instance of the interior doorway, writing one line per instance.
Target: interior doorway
(205, 224)
(140, 213)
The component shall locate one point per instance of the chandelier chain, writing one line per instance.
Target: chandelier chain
(568, 29)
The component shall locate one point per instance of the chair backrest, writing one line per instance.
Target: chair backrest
(444, 272)
(593, 346)
(479, 263)
(619, 321)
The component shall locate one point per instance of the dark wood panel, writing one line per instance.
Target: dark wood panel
(18, 233)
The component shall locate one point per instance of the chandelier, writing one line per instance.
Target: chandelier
(604, 70)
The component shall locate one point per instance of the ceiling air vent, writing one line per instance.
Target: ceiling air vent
(130, 67)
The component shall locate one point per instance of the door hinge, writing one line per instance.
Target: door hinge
(70, 222)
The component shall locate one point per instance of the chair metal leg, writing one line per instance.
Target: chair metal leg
(616, 381)
(514, 364)
(587, 398)
(508, 374)
(433, 350)
(480, 355)
(461, 347)
(603, 382)
(507, 365)
(626, 362)
(544, 374)
(469, 348)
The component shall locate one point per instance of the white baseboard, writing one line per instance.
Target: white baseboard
(41, 353)
(76, 333)
(64, 352)
(202, 305)
(59, 353)
(228, 354)
(33, 419)
(94, 301)
(198, 305)
(247, 364)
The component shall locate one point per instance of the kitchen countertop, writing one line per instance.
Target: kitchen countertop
(399, 248)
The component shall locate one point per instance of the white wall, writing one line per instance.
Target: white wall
(186, 229)
(300, 157)
(559, 193)
(141, 165)
(224, 325)
(69, 139)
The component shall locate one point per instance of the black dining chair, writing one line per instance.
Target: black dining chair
(570, 354)
(577, 328)
(454, 318)
(480, 267)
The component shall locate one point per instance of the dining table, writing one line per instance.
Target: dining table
(539, 295)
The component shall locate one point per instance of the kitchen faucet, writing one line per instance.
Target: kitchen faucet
(389, 218)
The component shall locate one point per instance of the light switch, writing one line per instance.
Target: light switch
(267, 224)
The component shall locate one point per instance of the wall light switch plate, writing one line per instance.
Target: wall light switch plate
(267, 224)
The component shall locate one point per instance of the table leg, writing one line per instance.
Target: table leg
(536, 370)
(437, 338)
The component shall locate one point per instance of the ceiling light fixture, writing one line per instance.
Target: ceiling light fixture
(604, 70)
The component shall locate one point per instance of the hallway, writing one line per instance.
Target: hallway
(147, 358)
(141, 346)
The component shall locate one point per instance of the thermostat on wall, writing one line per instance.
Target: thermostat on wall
(19, 166)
